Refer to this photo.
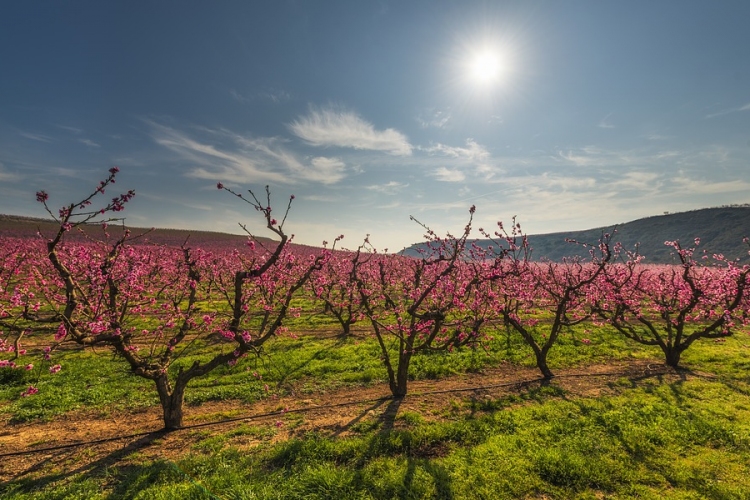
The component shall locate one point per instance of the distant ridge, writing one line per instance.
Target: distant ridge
(720, 230)
(27, 227)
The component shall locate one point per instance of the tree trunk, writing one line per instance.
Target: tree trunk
(541, 363)
(171, 403)
(399, 386)
(673, 354)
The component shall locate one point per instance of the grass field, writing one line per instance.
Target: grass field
(643, 434)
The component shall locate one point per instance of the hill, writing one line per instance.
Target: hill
(28, 227)
(721, 230)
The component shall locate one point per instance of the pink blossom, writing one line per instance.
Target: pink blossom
(61, 332)
(55, 368)
(29, 392)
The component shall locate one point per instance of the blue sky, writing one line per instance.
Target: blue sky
(596, 113)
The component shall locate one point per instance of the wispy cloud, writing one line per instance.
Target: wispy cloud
(7, 176)
(690, 186)
(389, 188)
(473, 151)
(89, 143)
(644, 182)
(434, 119)
(737, 109)
(593, 156)
(325, 170)
(231, 157)
(271, 95)
(446, 175)
(73, 130)
(239, 97)
(605, 123)
(330, 127)
(317, 197)
(658, 137)
(37, 137)
(275, 95)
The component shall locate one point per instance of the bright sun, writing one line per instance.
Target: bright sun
(485, 67)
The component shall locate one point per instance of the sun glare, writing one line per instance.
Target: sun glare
(485, 67)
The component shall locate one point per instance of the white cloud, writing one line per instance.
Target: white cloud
(229, 157)
(473, 151)
(326, 170)
(592, 156)
(390, 188)
(737, 109)
(317, 197)
(689, 186)
(446, 175)
(37, 137)
(329, 127)
(73, 130)
(275, 95)
(239, 97)
(270, 95)
(605, 123)
(658, 137)
(89, 143)
(434, 119)
(640, 181)
(7, 176)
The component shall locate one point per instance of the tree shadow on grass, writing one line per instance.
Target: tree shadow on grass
(285, 374)
(389, 441)
(28, 480)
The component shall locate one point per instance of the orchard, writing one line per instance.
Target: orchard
(175, 314)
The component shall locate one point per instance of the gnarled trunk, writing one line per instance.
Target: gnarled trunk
(672, 355)
(171, 402)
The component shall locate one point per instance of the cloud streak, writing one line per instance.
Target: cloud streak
(605, 123)
(330, 127)
(389, 188)
(230, 157)
(37, 137)
(737, 109)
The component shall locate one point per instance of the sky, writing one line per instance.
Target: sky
(566, 114)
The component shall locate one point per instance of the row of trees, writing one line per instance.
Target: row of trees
(149, 303)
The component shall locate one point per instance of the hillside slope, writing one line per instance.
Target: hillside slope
(721, 230)
(28, 227)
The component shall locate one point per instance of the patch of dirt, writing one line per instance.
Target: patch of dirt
(335, 413)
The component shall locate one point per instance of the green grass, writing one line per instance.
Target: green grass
(96, 381)
(676, 440)
(654, 438)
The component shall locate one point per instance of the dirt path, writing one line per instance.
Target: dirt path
(330, 413)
